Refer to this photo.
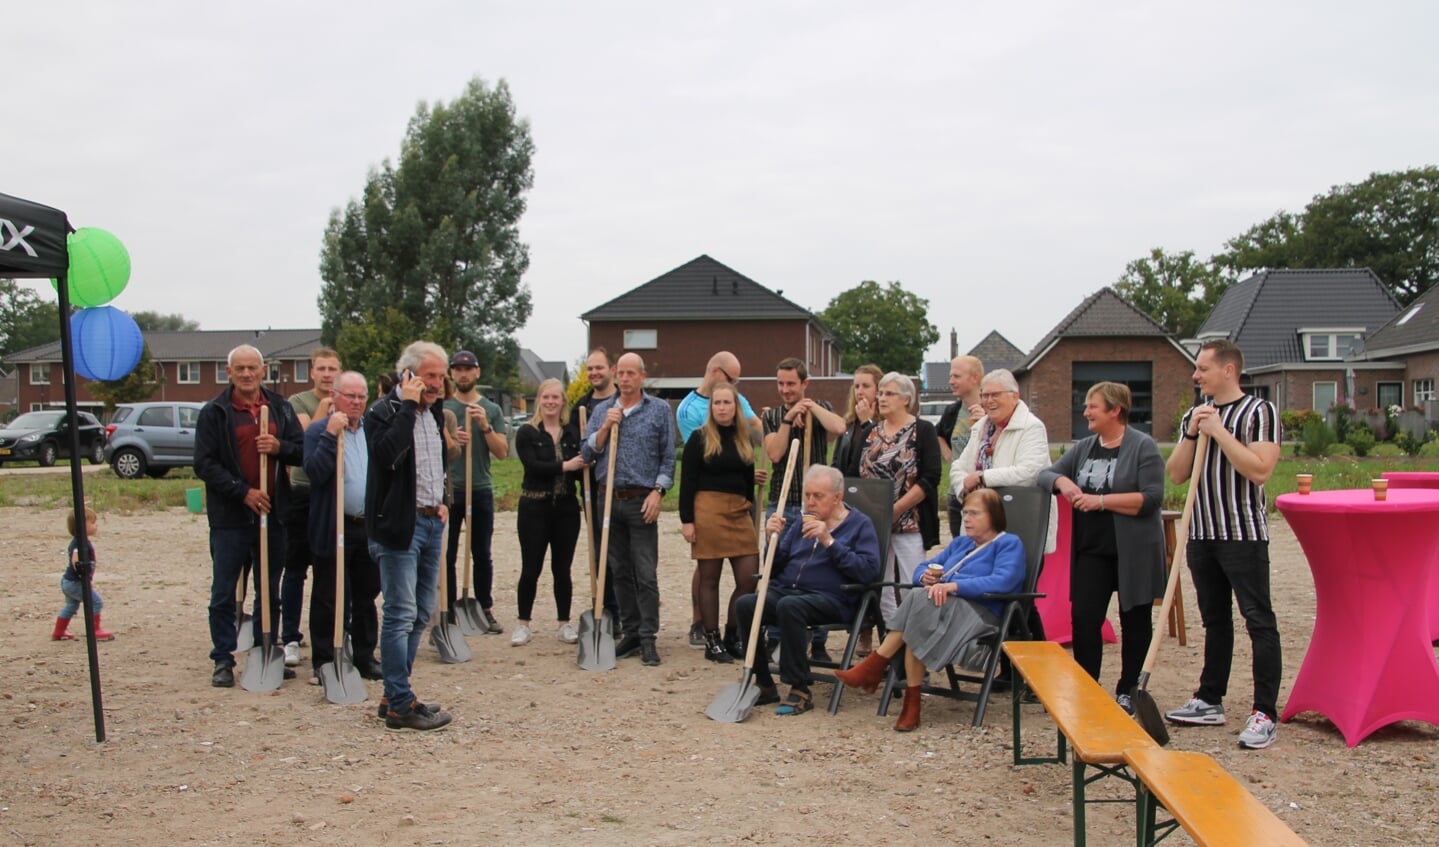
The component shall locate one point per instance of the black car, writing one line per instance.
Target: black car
(45, 436)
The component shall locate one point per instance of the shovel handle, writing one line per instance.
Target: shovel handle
(265, 529)
(469, 495)
(589, 518)
(1181, 535)
(769, 552)
(614, 449)
(339, 547)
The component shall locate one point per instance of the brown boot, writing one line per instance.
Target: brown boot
(867, 675)
(909, 713)
(100, 633)
(59, 633)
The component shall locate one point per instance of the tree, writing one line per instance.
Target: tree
(26, 319)
(1174, 289)
(135, 387)
(1389, 223)
(884, 325)
(436, 238)
(156, 322)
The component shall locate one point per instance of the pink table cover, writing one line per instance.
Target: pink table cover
(1370, 662)
(1054, 607)
(1412, 479)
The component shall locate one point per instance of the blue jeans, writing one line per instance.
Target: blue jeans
(408, 579)
(232, 551)
(74, 591)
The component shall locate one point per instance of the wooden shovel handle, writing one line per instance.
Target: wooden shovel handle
(264, 528)
(769, 552)
(614, 449)
(1181, 536)
(339, 544)
(589, 516)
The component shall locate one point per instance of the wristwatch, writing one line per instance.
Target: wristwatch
(661, 489)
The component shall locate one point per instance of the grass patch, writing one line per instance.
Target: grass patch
(104, 491)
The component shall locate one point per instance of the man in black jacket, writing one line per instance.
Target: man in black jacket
(228, 444)
(405, 515)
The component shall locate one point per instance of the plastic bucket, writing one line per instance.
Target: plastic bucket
(195, 500)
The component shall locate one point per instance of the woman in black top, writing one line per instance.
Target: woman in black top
(716, 499)
(549, 512)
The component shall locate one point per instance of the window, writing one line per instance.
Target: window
(1326, 394)
(1390, 394)
(187, 373)
(220, 376)
(39, 373)
(272, 373)
(1329, 345)
(1139, 376)
(35, 407)
(642, 339)
(1423, 390)
(189, 417)
(157, 416)
(302, 373)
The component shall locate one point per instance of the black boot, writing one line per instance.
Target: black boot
(733, 644)
(715, 649)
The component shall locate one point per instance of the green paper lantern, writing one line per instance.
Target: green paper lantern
(99, 267)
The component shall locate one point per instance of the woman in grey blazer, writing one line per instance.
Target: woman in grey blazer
(1114, 480)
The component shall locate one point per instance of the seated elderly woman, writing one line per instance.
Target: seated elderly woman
(947, 622)
(816, 557)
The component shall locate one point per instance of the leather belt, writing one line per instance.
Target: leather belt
(429, 511)
(359, 519)
(632, 492)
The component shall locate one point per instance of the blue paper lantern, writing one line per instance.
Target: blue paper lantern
(106, 342)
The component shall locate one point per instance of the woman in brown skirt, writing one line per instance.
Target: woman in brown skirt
(716, 502)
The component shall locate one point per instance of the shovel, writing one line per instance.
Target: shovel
(265, 664)
(597, 629)
(1146, 711)
(342, 681)
(589, 518)
(244, 621)
(467, 609)
(736, 701)
(445, 634)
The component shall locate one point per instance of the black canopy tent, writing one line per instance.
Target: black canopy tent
(33, 244)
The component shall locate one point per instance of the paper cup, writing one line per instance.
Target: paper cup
(1381, 489)
(1306, 482)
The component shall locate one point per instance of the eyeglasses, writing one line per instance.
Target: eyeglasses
(889, 394)
(971, 513)
(730, 379)
(992, 395)
(353, 398)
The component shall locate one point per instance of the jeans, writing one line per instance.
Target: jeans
(408, 578)
(297, 561)
(1220, 568)
(1093, 581)
(543, 525)
(482, 530)
(74, 591)
(634, 558)
(232, 552)
(793, 611)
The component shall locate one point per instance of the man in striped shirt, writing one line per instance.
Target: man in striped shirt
(1228, 546)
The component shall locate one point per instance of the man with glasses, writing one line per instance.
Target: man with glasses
(693, 410)
(361, 573)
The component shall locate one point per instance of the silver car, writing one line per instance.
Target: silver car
(147, 439)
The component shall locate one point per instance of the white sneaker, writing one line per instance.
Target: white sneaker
(292, 654)
(1259, 732)
(521, 636)
(568, 634)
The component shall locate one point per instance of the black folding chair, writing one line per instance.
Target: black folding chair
(1026, 512)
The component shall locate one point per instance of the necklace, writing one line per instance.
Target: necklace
(1110, 445)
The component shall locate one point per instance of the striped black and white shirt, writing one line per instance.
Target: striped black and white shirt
(1228, 506)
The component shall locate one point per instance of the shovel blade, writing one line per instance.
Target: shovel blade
(449, 641)
(597, 642)
(469, 617)
(342, 681)
(244, 632)
(264, 668)
(735, 702)
(1146, 712)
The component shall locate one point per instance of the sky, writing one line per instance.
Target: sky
(1001, 160)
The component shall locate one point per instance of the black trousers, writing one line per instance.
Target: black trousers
(1093, 580)
(297, 563)
(1241, 569)
(553, 525)
(362, 587)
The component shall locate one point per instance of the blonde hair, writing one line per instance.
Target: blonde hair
(873, 371)
(90, 517)
(714, 442)
(534, 420)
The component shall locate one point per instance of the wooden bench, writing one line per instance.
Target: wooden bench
(1203, 798)
(1087, 717)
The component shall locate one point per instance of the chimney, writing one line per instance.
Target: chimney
(953, 343)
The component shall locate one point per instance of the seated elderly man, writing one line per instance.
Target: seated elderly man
(832, 546)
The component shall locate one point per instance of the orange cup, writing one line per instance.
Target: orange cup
(1381, 488)
(1306, 482)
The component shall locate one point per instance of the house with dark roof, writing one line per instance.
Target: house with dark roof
(679, 319)
(1106, 338)
(1303, 333)
(994, 351)
(190, 363)
(1411, 337)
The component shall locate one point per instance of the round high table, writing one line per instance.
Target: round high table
(1370, 662)
(1420, 479)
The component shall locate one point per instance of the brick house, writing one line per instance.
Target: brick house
(1411, 337)
(1106, 338)
(192, 364)
(679, 319)
(1303, 334)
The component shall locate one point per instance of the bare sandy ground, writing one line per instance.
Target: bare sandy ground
(544, 753)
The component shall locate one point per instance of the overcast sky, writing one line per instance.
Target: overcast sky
(1001, 160)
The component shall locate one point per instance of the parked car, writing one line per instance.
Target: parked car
(148, 439)
(933, 410)
(44, 436)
